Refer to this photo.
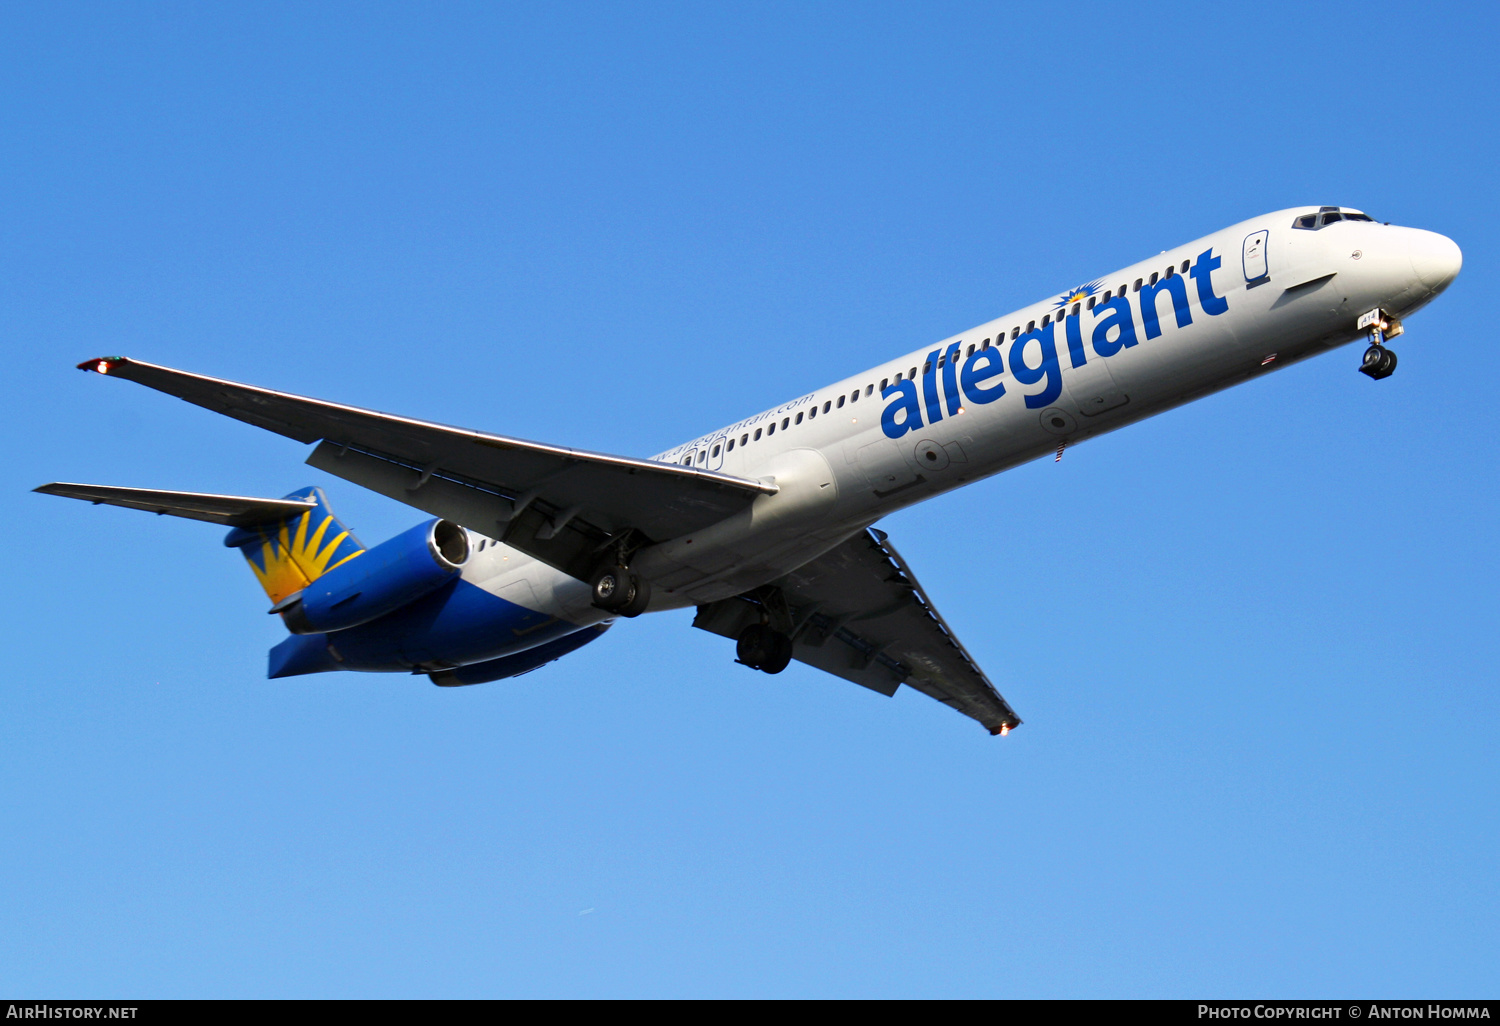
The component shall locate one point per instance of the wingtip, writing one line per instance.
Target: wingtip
(102, 364)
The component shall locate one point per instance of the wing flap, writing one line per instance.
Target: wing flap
(542, 529)
(229, 510)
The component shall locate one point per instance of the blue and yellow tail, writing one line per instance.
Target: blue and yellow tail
(290, 554)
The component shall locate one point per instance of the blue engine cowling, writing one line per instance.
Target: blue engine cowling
(380, 581)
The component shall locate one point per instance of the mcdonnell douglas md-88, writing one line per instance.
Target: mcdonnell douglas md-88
(765, 525)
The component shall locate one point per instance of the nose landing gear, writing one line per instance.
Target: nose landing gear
(1379, 362)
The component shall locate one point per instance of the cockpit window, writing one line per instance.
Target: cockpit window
(1327, 216)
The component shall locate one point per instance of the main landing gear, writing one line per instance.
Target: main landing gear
(1379, 362)
(762, 648)
(618, 591)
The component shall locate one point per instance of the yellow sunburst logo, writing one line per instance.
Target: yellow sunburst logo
(1078, 293)
(288, 562)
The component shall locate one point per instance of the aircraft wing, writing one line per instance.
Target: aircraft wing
(563, 506)
(229, 510)
(858, 612)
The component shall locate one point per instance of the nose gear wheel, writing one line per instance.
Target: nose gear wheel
(1379, 362)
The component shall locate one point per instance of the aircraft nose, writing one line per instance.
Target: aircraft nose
(1435, 259)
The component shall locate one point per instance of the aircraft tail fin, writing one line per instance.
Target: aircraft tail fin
(290, 552)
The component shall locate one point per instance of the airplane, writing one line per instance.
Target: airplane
(766, 525)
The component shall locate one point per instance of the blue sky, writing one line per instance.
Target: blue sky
(1253, 639)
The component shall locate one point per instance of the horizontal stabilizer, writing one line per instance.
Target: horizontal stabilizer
(229, 510)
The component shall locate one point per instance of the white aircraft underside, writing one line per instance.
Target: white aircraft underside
(764, 525)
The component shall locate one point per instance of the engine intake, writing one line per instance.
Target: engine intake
(379, 581)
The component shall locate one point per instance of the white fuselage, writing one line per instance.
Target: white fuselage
(1246, 300)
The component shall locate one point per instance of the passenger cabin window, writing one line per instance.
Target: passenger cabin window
(898, 376)
(927, 367)
(971, 350)
(1137, 285)
(1154, 278)
(1075, 310)
(771, 430)
(745, 439)
(730, 446)
(799, 418)
(1171, 271)
(757, 434)
(883, 383)
(702, 455)
(1030, 327)
(841, 402)
(812, 413)
(1091, 302)
(829, 405)
(716, 451)
(785, 422)
(869, 389)
(855, 397)
(911, 373)
(1185, 265)
(1046, 320)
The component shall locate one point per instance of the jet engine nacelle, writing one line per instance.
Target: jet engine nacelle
(380, 581)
